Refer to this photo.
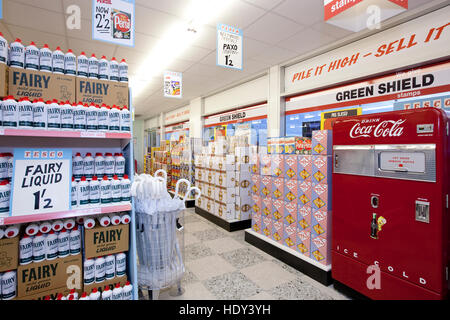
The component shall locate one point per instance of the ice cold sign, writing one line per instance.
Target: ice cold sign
(229, 47)
(41, 181)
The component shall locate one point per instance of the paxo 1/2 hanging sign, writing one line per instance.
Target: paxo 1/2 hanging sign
(41, 181)
(229, 47)
(113, 21)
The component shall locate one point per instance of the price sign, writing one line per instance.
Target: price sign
(113, 21)
(173, 84)
(229, 47)
(41, 181)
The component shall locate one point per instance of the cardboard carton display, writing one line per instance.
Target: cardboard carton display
(320, 249)
(45, 85)
(256, 223)
(266, 225)
(321, 169)
(304, 241)
(255, 183)
(4, 73)
(322, 142)
(277, 165)
(100, 241)
(290, 213)
(60, 274)
(321, 197)
(304, 167)
(278, 210)
(266, 186)
(225, 195)
(290, 236)
(290, 193)
(101, 91)
(9, 254)
(304, 193)
(277, 231)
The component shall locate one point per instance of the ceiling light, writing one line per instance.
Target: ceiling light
(176, 40)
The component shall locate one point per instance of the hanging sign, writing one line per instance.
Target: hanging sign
(173, 84)
(356, 15)
(41, 181)
(229, 47)
(113, 21)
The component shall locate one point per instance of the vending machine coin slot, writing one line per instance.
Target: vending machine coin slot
(425, 128)
(422, 211)
(374, 201)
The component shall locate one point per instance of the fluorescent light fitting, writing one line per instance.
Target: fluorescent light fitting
(176, 40)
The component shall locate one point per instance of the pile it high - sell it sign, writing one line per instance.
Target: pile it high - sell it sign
(41, 181)
(113, 21)
(229, 47)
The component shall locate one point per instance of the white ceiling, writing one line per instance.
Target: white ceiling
(274, 31)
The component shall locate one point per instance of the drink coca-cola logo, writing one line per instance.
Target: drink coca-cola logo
(387, 128)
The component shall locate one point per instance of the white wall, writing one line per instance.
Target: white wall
(152, 123)
(139, 142)
(248, 93)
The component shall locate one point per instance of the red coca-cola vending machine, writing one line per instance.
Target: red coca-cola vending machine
(391, 223)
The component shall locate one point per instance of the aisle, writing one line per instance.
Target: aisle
(221, 265)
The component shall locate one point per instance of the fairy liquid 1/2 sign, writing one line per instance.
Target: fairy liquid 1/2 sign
(113, 21)
(229, 47)
(41, 181)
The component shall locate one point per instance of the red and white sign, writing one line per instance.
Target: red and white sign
(356, 15)
(178, 115)
(386, 128)
(178, 127)
(335, 7)
(411, 161)
(411, 43)
(415, 83)
(241, 115)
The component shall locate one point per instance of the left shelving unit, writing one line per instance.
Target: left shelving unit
(83, 142)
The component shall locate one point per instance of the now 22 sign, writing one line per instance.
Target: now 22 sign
(41, 181)
(113, 21)
(229, 47)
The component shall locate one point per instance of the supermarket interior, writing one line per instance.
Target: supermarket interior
(224, 150)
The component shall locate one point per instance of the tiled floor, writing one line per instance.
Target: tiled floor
(221, 265)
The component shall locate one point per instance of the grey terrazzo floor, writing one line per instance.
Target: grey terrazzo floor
(221, 266)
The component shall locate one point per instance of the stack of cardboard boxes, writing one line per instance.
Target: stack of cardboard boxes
(222, 173)
(37, 280)
(182, 164)
(291, 194)
(49, 86)
(161, 157)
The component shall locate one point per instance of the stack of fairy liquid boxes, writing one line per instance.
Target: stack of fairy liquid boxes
(291, 197)
(222, 173)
